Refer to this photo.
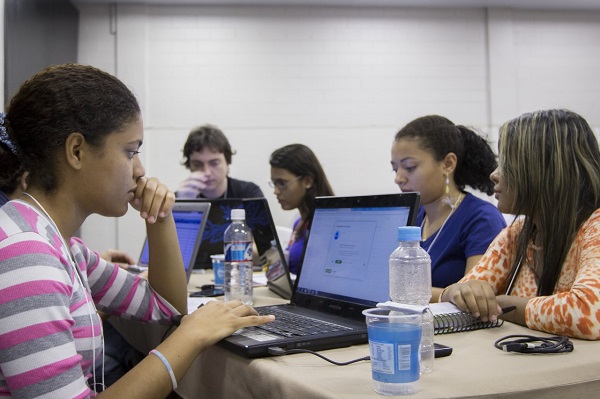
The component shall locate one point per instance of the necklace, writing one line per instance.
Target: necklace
(87, 294)
(453, 208)
(47, 216)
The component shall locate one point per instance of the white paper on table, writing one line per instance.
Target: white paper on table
(195, 302)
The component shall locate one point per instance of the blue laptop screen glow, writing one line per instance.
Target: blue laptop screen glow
(187, 225)
(348, 250)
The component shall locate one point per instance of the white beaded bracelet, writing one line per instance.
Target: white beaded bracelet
(167, 365)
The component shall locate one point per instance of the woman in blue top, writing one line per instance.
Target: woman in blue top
(439, 159)
(297, 178)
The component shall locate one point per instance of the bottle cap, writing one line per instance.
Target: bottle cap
(409, 233)
(238, 214)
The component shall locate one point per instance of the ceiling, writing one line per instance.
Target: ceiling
(518, 4)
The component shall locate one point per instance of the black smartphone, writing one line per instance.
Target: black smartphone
(442, 350)
(208, 290)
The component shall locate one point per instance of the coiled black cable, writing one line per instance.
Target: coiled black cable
(533, 344)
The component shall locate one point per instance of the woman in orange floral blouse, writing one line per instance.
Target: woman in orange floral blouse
(546, 263)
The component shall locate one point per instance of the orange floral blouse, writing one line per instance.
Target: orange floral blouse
(574, 308)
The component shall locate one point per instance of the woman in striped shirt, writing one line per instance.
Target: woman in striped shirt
(78, 131)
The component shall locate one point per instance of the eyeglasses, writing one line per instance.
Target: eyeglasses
(282, 184)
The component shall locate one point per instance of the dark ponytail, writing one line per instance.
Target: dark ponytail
(476, 164)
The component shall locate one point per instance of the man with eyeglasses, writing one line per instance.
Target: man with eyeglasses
(207, 154)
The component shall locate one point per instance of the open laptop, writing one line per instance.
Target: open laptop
(344, 271)
(190, 221)
(264, 233)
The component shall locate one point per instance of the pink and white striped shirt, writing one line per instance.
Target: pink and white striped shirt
(50, 332)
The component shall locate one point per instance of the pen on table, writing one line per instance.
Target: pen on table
(508, 309)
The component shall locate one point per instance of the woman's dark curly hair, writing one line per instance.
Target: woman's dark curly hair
(54, 103)
(475, 158)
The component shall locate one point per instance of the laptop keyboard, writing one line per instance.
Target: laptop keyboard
(292, 325)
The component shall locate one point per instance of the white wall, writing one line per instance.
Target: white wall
(341, 80)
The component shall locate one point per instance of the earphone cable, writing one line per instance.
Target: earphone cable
(276, 351)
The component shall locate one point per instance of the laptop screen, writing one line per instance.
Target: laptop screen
(347, 254)
(188, 224)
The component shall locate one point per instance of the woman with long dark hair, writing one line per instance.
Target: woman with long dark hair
(297, 178)
(546, 263)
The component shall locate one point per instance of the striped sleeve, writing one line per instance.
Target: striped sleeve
(120, 293)
(38, 351)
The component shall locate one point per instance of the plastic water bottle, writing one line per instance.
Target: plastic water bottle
(238, 259)
(410, 283)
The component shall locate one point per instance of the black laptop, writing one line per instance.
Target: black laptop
(220, 218)
(344, 271)
(264, 233)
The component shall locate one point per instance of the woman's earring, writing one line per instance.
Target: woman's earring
(447, 185)
(447, 200)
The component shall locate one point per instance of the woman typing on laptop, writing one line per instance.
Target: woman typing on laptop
(78, 130)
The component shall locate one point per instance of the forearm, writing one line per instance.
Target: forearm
(150, 378)
(571, 313)
(166, 272)
(197, 331)
(435, 294)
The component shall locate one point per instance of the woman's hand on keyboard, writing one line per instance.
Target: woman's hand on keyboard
(217, 320)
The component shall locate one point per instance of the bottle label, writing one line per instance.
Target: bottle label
(238, 251)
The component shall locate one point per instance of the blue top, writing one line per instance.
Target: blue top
(295, 248)
(3, 198)
(468, 232)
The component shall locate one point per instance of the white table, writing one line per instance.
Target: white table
(476, 369)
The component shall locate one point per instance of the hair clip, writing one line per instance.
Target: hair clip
(5, 138)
